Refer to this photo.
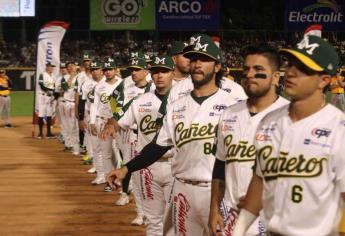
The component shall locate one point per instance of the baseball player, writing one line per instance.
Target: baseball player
(299, 172)
(236, 135)
(100, 112)
(59, 98)
(186, 86)
(87, 98)
(182, 64)
(45, 98)
(190, 126)
(82, 76)
(139, 72)
(337, 89)
(156, 180)
(5, 99)
(68, 84)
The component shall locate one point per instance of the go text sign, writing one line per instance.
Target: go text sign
(328, 13)
(122, 14)
(187, 14)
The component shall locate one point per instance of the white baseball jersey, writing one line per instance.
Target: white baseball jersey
(48, 82)
(235, 146)
(191, 129)
(69, 94)
(100, 106)
(302, 167)
(58, 84)
(87, 92)
(185, 86)
(81, 78)
(143, 112)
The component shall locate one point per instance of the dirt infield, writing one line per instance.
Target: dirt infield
(44, 191)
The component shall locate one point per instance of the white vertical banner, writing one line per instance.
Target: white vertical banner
(48, 51)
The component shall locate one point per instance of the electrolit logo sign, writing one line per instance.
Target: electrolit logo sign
(301, 14)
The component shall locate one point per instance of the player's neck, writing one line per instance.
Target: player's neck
(259, 104)
(178, 75)
(205, 90)
(162, 91)
(141, 83)
(300, 109)
(111, 80)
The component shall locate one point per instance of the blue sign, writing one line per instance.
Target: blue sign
(301, 14)
(187, 14)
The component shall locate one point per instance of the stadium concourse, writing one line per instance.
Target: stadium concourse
(45, 191)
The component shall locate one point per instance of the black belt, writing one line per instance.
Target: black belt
(273, 234)
(195, 182)
(46, 94)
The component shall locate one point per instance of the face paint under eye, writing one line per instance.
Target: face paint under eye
(260, 76)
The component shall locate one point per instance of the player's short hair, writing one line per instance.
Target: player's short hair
(265, 50)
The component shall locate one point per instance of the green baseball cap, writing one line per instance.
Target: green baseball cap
(204, 45)
(138, 63)
(86, 57)
(163, 62)
(95, 65)
(136, 55)
(109, 63)
(177, 48)
(315, 53)
(147, 58)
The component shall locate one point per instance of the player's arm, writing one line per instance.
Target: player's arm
(93, 113)
(148, 155)
(216, 221)
(252, 206)
(342, 221)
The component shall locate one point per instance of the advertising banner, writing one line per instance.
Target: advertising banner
(122, 14)
(187, 14)
(328, 13)
(48, 51)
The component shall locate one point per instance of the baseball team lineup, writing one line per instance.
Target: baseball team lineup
(204, 155)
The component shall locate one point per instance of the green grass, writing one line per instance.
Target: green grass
(22, 103)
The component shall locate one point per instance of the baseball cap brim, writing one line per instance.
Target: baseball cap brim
(189, 54)
(135, 67)
(161, 66)
(303, 58)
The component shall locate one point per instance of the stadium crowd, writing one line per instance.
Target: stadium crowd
(14, 54)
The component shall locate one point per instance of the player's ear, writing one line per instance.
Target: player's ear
(275, 78)
(217, 67)
(324, 81)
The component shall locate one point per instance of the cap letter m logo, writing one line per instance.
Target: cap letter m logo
(160, 61)
(134, 54)
(304, 44)
(135, 62)
(200, 47)
(194, 40)
(107, 64)
(93, 64)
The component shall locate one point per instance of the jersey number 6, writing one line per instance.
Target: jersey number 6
(296, 194)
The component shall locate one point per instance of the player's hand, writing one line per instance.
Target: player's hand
(82, 125)
(216, 223)
(93, 129)
(240, 205)
(108, 131)
(115, 177)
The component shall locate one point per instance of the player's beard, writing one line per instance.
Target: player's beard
(257, 93)
(207, 78)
